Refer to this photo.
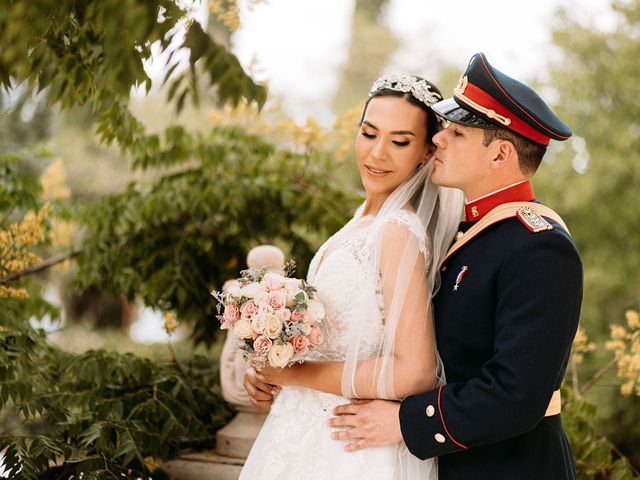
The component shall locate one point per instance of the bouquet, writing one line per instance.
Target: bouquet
(274, 318)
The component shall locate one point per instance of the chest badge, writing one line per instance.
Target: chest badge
(460, 276)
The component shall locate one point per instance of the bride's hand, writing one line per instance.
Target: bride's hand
(260, 393)
(277, 376)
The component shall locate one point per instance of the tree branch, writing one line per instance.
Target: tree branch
(597, 375)
(38, 268)
(6, 215)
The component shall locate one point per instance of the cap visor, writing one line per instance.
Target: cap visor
(450, 110)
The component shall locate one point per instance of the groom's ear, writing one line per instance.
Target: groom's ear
(504, 154)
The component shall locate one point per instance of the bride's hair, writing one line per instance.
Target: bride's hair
(431, 120)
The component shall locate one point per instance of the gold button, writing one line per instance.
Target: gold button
(430, 411)
(439, 437)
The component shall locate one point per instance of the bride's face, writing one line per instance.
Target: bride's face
(391, 143)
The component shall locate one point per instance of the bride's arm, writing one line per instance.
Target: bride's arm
(407, 307)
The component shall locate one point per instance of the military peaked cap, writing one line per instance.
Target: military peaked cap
(487, 98)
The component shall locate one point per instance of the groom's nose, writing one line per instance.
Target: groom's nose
(440, 139)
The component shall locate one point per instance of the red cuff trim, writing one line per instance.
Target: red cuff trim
(445, 425)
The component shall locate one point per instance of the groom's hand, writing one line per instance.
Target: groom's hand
(260, 393)
(370, 423)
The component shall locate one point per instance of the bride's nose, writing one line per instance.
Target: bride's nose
(379, 150)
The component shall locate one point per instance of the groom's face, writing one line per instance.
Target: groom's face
(461, 158)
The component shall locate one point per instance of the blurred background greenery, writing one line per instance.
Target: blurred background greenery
(120, 204)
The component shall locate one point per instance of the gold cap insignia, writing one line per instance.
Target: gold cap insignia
(532, 220)
(458, 92)
(462, 84)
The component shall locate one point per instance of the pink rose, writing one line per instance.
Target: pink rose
(300, 344)
(262, 344)
(248, 310)
(230, 316)
(315, 337)
(297, 316)
(277, 300)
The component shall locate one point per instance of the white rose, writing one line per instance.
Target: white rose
(305, 329)
(242, 329)
(232, 287)
(279, 355)
(250, 290)
(284, 314)
(273, 326)
(292, 291)
(273, 281)
(264, 308)
(258, 323)
(314, 311)
(291, 282)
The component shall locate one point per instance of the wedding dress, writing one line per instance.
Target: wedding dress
(295, 441)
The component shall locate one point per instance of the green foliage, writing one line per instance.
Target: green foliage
(216, 195)
(101, 413)
(599, 97)
(17, 187)
(596, 457)
(92, 52)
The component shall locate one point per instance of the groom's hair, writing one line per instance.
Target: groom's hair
(529, 154)
(432, 124)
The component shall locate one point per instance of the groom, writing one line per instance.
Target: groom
(508, 306)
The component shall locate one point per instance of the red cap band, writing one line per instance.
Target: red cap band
(481, 97)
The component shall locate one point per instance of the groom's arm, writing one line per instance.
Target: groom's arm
(538, 302)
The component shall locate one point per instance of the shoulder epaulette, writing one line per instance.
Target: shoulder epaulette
(532, 220)
(531, 214)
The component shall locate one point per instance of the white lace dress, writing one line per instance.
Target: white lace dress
(295, 441)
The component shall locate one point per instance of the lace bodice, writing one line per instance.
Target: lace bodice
(346, 280)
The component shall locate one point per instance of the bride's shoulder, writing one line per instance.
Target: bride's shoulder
(403, 226)
(407, 220)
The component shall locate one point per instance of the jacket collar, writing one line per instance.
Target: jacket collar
(519, 192)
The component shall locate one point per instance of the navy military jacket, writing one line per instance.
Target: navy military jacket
(504, 335)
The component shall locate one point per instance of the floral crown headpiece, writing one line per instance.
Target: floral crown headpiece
(417, 87)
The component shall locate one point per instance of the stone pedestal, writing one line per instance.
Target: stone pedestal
(236, 438)
(233, 443)
(205, 465)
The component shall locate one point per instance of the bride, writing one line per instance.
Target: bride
(375, 277)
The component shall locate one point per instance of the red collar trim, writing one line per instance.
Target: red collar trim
(522, 192)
